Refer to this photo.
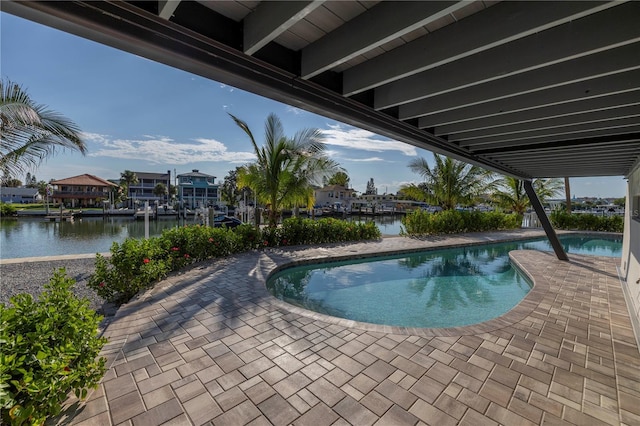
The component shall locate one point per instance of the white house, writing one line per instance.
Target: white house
(19, 195)
(332, 196)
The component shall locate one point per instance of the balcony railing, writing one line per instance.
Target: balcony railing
(80, 194)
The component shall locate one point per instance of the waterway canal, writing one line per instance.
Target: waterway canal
(35, 237)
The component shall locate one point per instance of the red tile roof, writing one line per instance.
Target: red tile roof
(84, 180)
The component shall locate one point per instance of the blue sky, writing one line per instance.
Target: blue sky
(143, 116)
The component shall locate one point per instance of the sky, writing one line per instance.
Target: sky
(136, 114)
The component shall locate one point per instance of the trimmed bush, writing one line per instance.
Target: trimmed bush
(132, 266)
(297, 231)
(560, 219)
(421, 223)
(49, 348)
(248, 237)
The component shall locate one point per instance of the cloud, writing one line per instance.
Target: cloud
(404, 183)
(164, 150)
(60, 170)
(229, 88)
(367, 160)
(354, 138)
(294, 110)
(95, 137)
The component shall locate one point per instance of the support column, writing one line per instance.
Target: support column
(546, 224)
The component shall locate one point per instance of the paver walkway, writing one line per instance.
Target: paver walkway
(211, 346)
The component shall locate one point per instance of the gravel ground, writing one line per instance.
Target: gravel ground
(30, 277)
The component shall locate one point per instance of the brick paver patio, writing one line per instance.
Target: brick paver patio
(211, 346)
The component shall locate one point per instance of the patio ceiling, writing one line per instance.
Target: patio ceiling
(529, 89)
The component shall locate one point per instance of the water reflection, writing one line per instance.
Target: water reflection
(36, 237)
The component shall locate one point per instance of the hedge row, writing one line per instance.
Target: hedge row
(136, 263)
(421, 223)
(560, 219)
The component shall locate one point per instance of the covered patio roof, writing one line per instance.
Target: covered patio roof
(528, 89)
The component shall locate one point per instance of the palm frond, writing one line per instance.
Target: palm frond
(31, 132)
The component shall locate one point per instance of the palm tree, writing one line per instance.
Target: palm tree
(30, 132)
(512, 196)
(339, 178)
(548, 188)
(128, 178)
(229, 191)
(449, 183)
(160, 190)
(286, 168)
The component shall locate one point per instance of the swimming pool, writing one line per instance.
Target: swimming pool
(441, 288)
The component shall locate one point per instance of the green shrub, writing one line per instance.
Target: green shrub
(560, 219)
(247, 237)
(132, 266)
(270, 237)
(368, 231)
(421, 222)
(135, 264)
(49, 348)
(297, 231)
(7, 209)
(196, 243)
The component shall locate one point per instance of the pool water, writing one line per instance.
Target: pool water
(444, 288)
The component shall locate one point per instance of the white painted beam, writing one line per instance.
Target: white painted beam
(587, 89)
(564, 73)
(500, 24)
(270, 19)
(589, 130)
(519, 157)
(167, 7)
(565, 109)
(549, 124)
(371, 29)
(579, 38)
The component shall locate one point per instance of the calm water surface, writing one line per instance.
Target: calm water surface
(443, 288)
(34, 237)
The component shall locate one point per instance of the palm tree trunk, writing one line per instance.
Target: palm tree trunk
(567, 191)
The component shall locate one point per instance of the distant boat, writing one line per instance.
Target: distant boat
(140, 214)
(228, 221)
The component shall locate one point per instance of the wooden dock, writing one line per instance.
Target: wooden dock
(63, 216)
(139, 215)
